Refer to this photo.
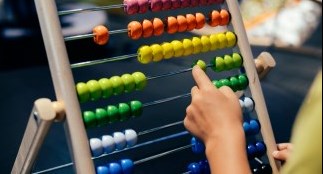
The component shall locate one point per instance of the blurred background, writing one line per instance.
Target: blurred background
(290, 30)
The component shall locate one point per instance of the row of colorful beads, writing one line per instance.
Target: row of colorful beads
(124, 166)
(227, 62)
(257, 149)
(239, 82)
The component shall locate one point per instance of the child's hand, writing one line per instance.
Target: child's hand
(284, 150)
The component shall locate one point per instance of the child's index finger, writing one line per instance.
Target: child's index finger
(201, 79)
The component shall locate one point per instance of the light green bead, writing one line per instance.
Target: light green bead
(168, 50)
(95, 90)
(157, 52)
(206, 44)
(201, 64)
(140, 80)
(188, 47)
(117, 84)
(145, 54)
(237, 60)
(83, 92)
(219, 64)
(129, 82)
(222, 40)
(178, 48)
(228, 62)
(106, 86)
(231, 38)
(197, 44)
(214, 41)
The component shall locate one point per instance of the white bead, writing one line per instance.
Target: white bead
(120, 140)
(249, 105)
(131, 137)
(96, 146)
(108, 144)
(241, 104)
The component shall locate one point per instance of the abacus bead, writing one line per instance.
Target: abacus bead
(157, 52)
(243, 80)
(83, 92)
(206, 44)
(168, 50)
(237, 60)
(261, 148)
(129, 82)
(215, 18)
(215, 43)
(102, 170)
(89, 119)
(156, 5)
(246, 128)
(201, 64)
(194, 3)
(124, 111)
(127, 166)
(249, 104)
(266, 169)
(188, 47)
(197, 146)
(204, 167)
(223, 42)
(225, 17)
(228, 61)
(251, 151)
(185, 3)
(256, 170)
(134, 30)
(218, 84)
(131, 6)
(108, 144)
(197, 44)
(113, 113)
(176, 4)
(136, 108)
(234, 83)
(140, 80)
(145, 54)
(225, 82)
(167, 4)
(194, 168)
(158, 26)
(200, 20)
(241, 104)
(95, 90)
(147, 28)
(106, 86)
(231, 38)
(131, 137)
(143, 6)
(254, 126)
(101, 116)
(178, 48)
(96, 146)
(117, 84)
(101, 35)
(115, 168)
(182, 23)
(171, 25)
(191, 22)
(219, 64)
(119, 140)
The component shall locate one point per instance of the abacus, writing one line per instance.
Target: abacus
(71, 95)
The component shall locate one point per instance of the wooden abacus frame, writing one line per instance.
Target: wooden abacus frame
(45, 111)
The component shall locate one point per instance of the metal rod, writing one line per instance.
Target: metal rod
(159, 128)
(105, 60)
(166, 100)
(67, 12)
(85, 36)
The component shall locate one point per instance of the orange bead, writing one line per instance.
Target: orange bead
(200, 20)
(225, 17)
(182, 23)
(215, 18)
(101, 34)
(147, 28)
(134, 30)
(191, 22)
(171, 25)
(158, 26)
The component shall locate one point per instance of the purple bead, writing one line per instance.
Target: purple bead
(167, 4)
(127, 166)
(261, 148)
(194, 168)
(194, 3)
(197, 146)
(115, 168)
(131, 6)
(176, 4)
(156, 5)
(254, 126)
(143, 6)
(102, 170)
(185, 3)
(251, 151)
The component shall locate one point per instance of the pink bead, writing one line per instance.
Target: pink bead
(185, 3)
(143, 6)
(203, 2)
(194, 3)
(131, 6)
(167, 4)
(176, 4)
(156, 5)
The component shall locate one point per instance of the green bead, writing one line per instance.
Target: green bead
(237, 60)
(89, 119)
(214, 82)
(136, 108)
(101, 116)
(113, 113)
(145, 54)
(106, 86)
(117, 84)
(129, 82)
(124, 111)
(243, 80)
(222, 40)
(225, 82)
(218, 84)
(140, 80)
(201, 64)
(83, 92)
(95, 90)
(234, 83)
(219, 64)
(206, 44)
(228, 61)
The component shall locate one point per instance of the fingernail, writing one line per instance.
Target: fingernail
(275, 153)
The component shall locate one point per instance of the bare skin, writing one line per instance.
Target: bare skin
(283, 152)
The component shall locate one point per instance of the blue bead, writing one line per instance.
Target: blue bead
(102, 170)
(194, 168)
(246, 128)
(254, 126)
(266, 169)
(261, 148)
(204, 167)
(115, 168)
(197, 146)
(127, 166)
(251, 151)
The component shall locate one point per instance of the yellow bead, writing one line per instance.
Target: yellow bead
(231, 38)
(215, 43)
(168, 50)
(118, 86)
(197, 44)
(83, 92)
(129, 82)
(145, 54)
(178, 48)
(188, 47)
(222, 40)
(157, 52)
(206, 44)
(95, 89)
